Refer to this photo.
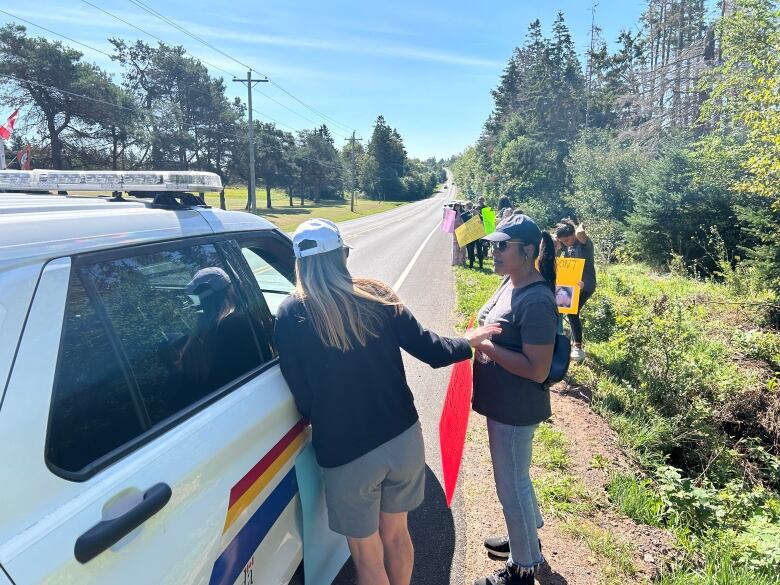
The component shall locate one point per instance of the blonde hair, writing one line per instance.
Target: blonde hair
(341, 308)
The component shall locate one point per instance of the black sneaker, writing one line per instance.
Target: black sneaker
(509, 575)
(498, 546)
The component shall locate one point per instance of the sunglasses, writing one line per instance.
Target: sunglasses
(346, 252)
(501, 246)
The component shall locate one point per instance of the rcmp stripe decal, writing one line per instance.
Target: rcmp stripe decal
(237, 554)
(249, 487)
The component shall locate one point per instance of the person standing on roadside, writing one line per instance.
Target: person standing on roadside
(510, 371)
(475, 247)
(340, 339)
(467, 214)
(482, 245)
(504, 208)
(575, 243)
(458, 254)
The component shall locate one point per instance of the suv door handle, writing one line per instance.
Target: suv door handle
(107, 533)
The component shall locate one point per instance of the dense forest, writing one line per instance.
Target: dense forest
(667, 147)
(168, 112)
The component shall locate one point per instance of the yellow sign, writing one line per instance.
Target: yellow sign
(568, 275)
(470, 231)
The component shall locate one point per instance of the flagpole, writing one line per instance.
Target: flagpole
(2, 154)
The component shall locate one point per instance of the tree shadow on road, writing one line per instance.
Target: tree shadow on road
(433, 534)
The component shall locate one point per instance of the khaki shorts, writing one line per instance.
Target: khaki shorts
(390, 479)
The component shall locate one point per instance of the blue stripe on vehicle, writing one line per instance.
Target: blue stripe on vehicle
(236, 555)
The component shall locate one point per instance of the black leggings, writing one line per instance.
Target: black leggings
(480, 252)
(574, 320)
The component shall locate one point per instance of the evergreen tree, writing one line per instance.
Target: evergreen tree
(384, 163)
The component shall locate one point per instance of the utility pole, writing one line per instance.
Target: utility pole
(352, 143)
(251, 187)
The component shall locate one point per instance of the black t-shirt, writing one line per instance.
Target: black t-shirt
(586, 251)
(356, 400)
(526, 315)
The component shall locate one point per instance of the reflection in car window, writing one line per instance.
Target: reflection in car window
(181, 322)
(177, 320)
(92, 407)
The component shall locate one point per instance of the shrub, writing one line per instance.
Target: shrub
(599, 318)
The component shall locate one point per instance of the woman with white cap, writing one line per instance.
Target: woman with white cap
(340, 340)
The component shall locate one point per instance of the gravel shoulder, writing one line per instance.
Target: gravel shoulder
(585, 540)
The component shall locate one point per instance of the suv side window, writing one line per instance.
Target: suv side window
(176, 324)
(272, 264)
(93, 411)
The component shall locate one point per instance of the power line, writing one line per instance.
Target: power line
(304, 104)
(285, 107)
(179, 27)
(274, 120)
(138, 28)
(55, 33)
(156, 116)
(90, 47)
(115, 105)
(85, 45)
(66, 92)
(164, 18)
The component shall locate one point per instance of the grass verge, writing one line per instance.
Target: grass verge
(614, 556)
(288, 218)
(685, 372)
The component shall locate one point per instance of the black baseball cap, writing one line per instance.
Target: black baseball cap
(516, 227)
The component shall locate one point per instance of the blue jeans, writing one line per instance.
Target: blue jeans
(510, 449)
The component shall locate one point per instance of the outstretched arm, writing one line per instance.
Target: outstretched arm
(435, 350)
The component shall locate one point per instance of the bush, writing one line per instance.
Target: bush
(759, 345)
(681, 371)
(599, 318)
(673, 213)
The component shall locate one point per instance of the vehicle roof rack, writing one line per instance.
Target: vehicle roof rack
(138, 183)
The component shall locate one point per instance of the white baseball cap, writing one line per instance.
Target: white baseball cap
(317, 236)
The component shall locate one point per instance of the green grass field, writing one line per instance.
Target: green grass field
(288, 218)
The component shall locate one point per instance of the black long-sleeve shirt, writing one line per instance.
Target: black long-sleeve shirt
(359, 399)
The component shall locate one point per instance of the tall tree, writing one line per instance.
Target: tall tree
(321, 171)
(52, 79)
(190, 121)
(742, 112)
(274, 154)
(384, 163)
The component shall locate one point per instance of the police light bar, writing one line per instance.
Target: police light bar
(123, 181)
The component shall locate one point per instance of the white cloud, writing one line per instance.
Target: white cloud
(79, 20)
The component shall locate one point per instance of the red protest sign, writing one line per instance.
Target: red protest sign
(453, 424)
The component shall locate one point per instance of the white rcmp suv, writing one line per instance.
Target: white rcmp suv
(147, 435)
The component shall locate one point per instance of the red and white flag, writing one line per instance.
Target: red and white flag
(8, 127)
(23, 156)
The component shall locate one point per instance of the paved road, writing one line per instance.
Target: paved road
(406, 249)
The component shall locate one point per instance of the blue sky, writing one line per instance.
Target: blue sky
(427, 66)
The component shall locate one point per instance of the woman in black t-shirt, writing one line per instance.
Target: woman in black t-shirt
(509, 375)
